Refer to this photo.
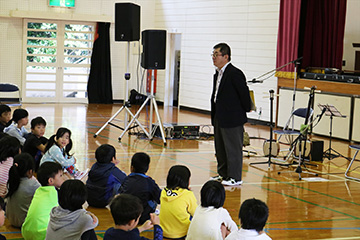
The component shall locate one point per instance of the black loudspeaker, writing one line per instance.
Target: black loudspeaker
(154, 49)
(317, 149)
(127, 22)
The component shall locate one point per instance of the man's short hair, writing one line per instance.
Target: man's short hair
(19, 114)
(124, 208)
(72, 194)
(140, 162)
(105, 153)
(224, 49)
(48, 170)
(212, 194)
(37, 121)
(4, 108)
(253, 214)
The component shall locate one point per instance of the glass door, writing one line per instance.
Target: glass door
(57, 60)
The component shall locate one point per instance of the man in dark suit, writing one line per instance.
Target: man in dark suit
(230, 100)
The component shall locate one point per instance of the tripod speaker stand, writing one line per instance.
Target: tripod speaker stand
(127, 28)
(153, 57)
(125, 106)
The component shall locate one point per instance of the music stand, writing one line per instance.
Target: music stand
(332, 112)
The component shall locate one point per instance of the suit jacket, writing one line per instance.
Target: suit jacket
(232, 100)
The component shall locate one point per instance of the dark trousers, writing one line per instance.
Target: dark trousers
(89, 235)
(228, 149)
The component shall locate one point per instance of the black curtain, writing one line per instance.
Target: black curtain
(99, 86)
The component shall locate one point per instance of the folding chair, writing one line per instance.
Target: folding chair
(357, 148)
(8, 87)
(289, 132)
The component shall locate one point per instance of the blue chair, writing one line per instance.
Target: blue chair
(7, 87)
(357, 148)
(290, 133)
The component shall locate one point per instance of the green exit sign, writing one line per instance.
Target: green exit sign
(62, 3)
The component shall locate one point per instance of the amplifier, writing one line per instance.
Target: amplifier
(178, 130)
(331, 77)
(189, 131)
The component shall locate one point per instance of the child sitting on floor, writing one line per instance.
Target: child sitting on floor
(253, 215)
(21, 189)
(126, 211)
(9, 148)
(105, 178)
(2, 216)
(69, 220)
(36, 142)
(141, 185)
(57, 150)
(5, 116)
(211, 221)
(16, 129)
(177, 202)
(50, 176)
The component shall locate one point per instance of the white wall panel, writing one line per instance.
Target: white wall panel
(249, 27)
(356, 121)
(10, 52)
(341, 126)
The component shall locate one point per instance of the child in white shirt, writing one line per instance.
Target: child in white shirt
(211, 221)
(253, 215)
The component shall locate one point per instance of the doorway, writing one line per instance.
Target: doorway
(56, 60)
(172, 81)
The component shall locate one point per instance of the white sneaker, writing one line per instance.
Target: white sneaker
(231, 182)
(217, 178)
(81, 174)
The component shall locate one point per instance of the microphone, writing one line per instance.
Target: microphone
(255, 81)
(297, 60)
(322, 113)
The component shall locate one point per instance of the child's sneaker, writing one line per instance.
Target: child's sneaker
(81, 174)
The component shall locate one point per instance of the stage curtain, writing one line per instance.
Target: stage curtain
(324, 33)
(288, 37)
(99, 86)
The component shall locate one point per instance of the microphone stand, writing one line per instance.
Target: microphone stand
(255, 80)
(295, 62)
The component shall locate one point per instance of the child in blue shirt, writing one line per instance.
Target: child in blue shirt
(141, 185)
(104, 178)
(57, 150)
(16, 129)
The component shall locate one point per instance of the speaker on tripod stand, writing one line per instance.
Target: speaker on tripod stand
(153, 57)
(154, 49)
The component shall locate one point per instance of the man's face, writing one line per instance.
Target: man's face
(219, 60)
(5, 117)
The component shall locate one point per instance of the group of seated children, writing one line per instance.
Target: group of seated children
(43, 212)
(56, 149)
(180, 217)
(58, 214)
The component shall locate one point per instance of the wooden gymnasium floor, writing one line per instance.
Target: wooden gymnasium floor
(325, 209)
